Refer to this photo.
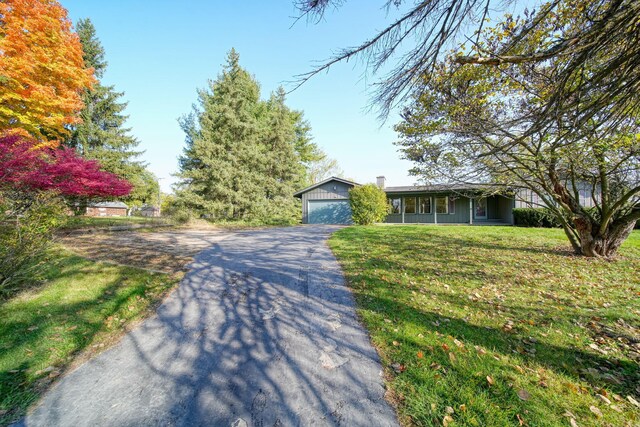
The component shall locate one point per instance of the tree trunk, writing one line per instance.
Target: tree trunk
(594, 244)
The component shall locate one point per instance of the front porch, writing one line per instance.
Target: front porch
(426, 208)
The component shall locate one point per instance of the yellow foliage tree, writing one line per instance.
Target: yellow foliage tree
(42, 73)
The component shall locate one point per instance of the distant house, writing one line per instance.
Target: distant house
(107, 209)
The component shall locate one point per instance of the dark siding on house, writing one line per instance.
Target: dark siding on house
(332, 190)
(461, 214)
(505, 208)
(498, 210)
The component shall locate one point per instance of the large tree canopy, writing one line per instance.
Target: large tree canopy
(546, 101)
(244, 156)
(42, 74)
(427, 31)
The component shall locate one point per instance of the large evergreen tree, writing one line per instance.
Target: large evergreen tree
(244, 156)
(102, 135)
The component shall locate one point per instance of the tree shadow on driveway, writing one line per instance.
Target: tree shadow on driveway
(262, 330)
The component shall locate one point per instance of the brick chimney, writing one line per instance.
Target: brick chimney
(380, 181)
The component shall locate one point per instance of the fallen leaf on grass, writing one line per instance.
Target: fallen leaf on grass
(452, 357)
(490, 380)
(520, 420)
(604, 399)
(445, 347)
(449, 410)
(596, 411)
(633, 401)
(573, 422)
(420, 355)
(523, 394)
(395, 343)
(463, 407)
(446, 420)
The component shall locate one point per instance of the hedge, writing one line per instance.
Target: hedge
(540, 217)
(534, 217)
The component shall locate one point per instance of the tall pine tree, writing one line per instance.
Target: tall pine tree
(102, 135)
(244, 156)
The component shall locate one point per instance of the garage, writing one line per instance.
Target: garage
(326, 202)
(329, 212)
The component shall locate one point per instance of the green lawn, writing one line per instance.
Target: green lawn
(81, 308)
(74, 222)
(498, 326)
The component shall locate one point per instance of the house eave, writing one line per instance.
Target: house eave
(299, 194)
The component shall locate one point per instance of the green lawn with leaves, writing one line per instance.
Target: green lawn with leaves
(81, 308)
(498, 326)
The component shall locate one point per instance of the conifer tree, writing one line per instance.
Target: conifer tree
(244, 156)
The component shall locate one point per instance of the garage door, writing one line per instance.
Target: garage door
(329, 212)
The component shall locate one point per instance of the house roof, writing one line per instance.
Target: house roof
(438, 188)
(318, 184)
(115, 204)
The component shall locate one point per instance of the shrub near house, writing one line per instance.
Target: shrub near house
(368, 204)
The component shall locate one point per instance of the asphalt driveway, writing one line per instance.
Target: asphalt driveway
(261, 332)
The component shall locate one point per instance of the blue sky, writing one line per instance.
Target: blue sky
(160, 52)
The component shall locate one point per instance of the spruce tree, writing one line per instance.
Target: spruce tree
(102, 135)
(282, 167)
(242, 159)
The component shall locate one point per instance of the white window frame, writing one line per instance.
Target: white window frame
(415, 205)
(446, 204)
(420, 206)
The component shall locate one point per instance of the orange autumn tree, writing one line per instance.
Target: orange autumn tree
(42, 73)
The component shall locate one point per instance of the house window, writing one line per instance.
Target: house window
(452, 205)
(410, 205)
(442, 205)
(424, 205)
(394, 205)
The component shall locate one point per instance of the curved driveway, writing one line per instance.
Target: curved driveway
(261, 332)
